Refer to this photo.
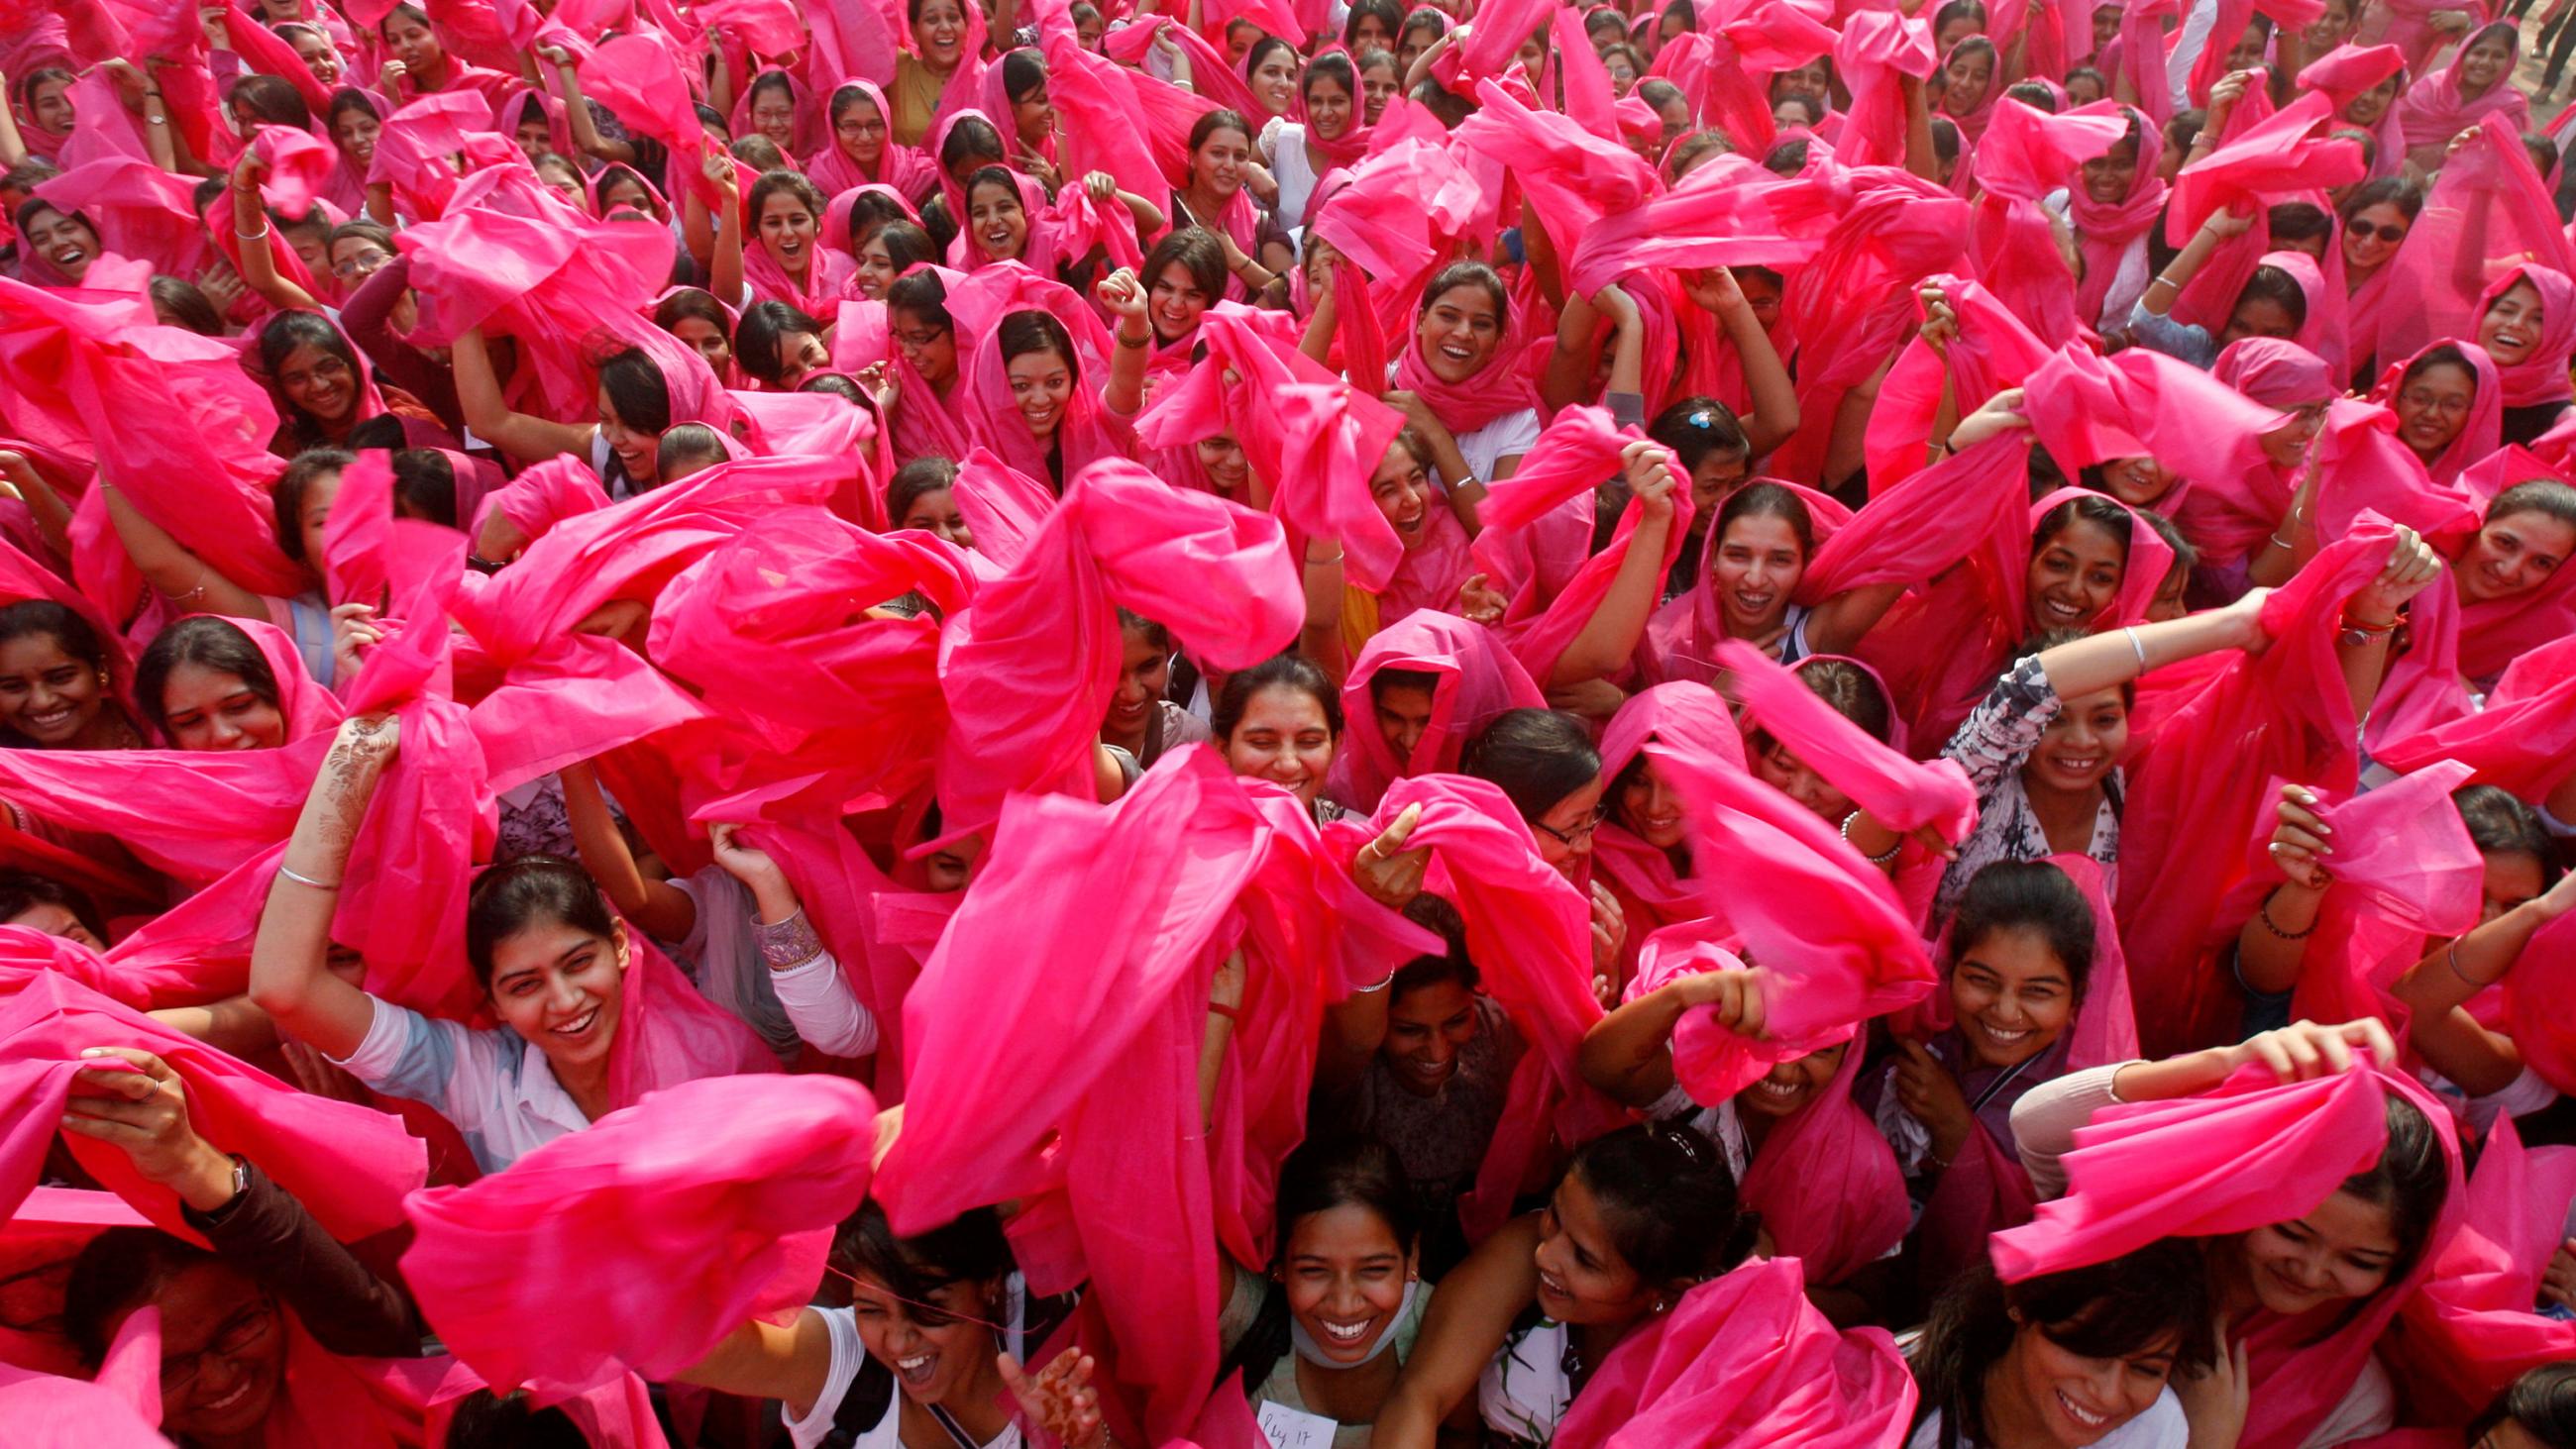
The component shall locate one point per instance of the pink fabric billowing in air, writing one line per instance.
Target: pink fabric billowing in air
(1651, 892)
(2488, 210)
(1993, 351)
(1579, 451)
(2242, 1156)
(670, 1221)
(2288, 152)
(1826, 929)
(1029, 669)
(1903, 794)
(2535, 996)
(1827, 1184)
(349, 1165)
(1475, 679)
(2472, 1331)
(2525, 738)
(1745, 1359)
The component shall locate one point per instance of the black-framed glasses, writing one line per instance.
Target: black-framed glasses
(1578, 834)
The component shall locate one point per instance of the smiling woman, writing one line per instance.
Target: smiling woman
(56, 692)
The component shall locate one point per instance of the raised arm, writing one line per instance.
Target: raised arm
(289, 977)
(1609, 638)
(2159, 297)
(250, 228)
(1628, 1052)
(2116, 656)
(1124, 296)
(188, 582)
(2437, 991)
(1464, 1328)
(1775, 398)
(661, 909)
(724, 269)
(478, 396)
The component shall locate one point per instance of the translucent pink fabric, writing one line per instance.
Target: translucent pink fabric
(1827, 1184)
(2487, 209)
(1524, 516)
(2243, 1156)
(2287, 154)
(1005, 509)
(1827, 930)
(349, 1165)
(2087, 410)
(2536, 1004)
(1475, 679)
(1652, 893)
(670, 1221)
(1720, 215)
(2472, 1331)
(2434, 109)
(1030, 668)
(1902, 793)
(2525, 738)
(1875, 49)
(1745, 1359)
(637, 77)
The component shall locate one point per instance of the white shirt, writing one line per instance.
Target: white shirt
(1508, 436)
(493, 1085)
(2162, 1426)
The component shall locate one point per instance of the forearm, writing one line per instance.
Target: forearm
(289, 977)
(1774, 396)
(2168, 284)
(1317, 342)
(1323, 582)
(2173, 1077)
(233, 1025)
(268, 1235)
(1627, 1053)
(175, 573)
(2268, 956)
(2099, 661)
(1125, 394)
(1568, 377)
(1609, 638)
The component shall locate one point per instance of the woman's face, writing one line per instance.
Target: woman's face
(940, 33)
(534, 137)
(1041, 388)
(709, 339)
(1623, 73)
(66, 241)
(861, 132)
(1719, 474)
(1459, 333)
(411, 42)
(1378, 85)
(1034, 114)
(1274, 81)
(2073, 1399)
(2373, 235)
(1966, 79)
(2079, 746)
(2247, 52)
(2340, 1252)
(640, 452)
(2511, 326)
(2367, 108)
(1785, 772)
(1345, 1274)
(564, 177)
(2331, 28)
(46, 694)
(223, 1354)
(315, 517)
(1753, 570)
(2106, 26)
(1582, 1278)
(1415, 40)
(800, 356)
(2172, 597)
(2512, 555)
(2258, 317)
(1175, 303)
(999, 223)
(2011, 995)
(563, 989)
(2109, 177)
(937, 512)
(1401, 487)
(787, 229)
(1218, 164)
(1404, 714)
(2075, 576)
(876, 270)
(1284, 738)
(355, 132)
(1221, 458)
(49, 105)
(212, 709)
(1328, 107)
(319, 55)
(937, 1349)
(1792, 1084)
(1651, 808)
(1564, 833)
(773, 114)
(1090, 30)
(1368, 32)
(1240, 36)
(2484, 63)
(2512, 877)
(2285, 445)
(2137, 482)
(2434, 406)
(927, 348)
(56, 920)
(1533, 59)
(1144, 671)
(2082, 90)
(1813, 80)
(1426, 1029)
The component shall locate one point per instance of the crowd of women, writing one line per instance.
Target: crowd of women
(1837, 723)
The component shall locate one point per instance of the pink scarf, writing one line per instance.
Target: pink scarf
(2479, 435)
(1496, 390)
(2433, 110)
(2540, 377)
(1086, 432)
(1652, 891)
(831, 277)
(908, 169)
(1475, 679)
(2105, 230)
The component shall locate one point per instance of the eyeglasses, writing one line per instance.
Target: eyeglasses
(2388, 232)
(364, 264)
(240, 1334)
(1578, 834)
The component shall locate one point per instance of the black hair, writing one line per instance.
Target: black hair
(2536, 495)
(685, 303)
(1155, 632)
(839, 385)
(846, 98)
(927, 474)
(280, 335)
(528, 891)
(345, 100)
(774, 181)
(2498, 824)
(286, 496)
(636, 387)
(1687, 150)
(1001, 176)
(2411, 1181)
(22, 891)
(1945, 139)
(1031, 331)
(486, 1420)
(1279, 671)
(971, 139)
(32, 618)
(907, 246)
(967, 1249)
(2129, 1305)
(1537, 756)
(2098, 509)
(1260, 50)
(1023, 71)
(1848, 688)
(117, 1272)
(2027, 895)
(2275, 285)
(1450, 963)
(1424, 17)
(2298, 221)
(29, 174)
(872, 212)
(2037, 95)
(1323, 1174)
(1334, 66)
(1468, 274)
(687, 447)
(2186, 556)
(1195, 250)
(2099, 79)
(759, 343)
(425, 486)
(1385, 679)
(1389, 14)
(1959, 10)
(617, 172)
(1669, 1201)
(406, 10)
(924, 296)
(1214, 121)
(178, 302)
(212, 644)
(270, 101)
(765, 156)
(1767, 500)
(2542, 1403)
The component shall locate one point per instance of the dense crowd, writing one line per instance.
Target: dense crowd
(1734, 723)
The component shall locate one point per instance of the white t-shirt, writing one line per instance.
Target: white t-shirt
(1508, 436)
(848, 1357)
(2162, 1426)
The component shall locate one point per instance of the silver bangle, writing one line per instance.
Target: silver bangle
(1373, 990)
(306, 880)
(2132, 631)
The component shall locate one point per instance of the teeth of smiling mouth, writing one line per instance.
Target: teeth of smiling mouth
(2080, 1415)
(1345, 1332)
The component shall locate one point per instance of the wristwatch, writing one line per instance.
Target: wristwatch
(241, 1190)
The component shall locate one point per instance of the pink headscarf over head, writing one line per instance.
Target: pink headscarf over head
(907, 169)
(1474, 679)
(2484, 427)
(1085, 431)
(2434, 109)
(2540, 377)
(1496, 390)
(1651, 891)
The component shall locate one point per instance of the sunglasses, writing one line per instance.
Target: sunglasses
(2388, 232)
